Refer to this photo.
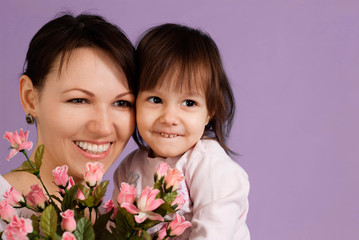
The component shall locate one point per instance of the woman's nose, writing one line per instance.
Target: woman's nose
(169, 115)
(101, 123)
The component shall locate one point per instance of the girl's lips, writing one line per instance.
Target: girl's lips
(92, 150)
(168, 135)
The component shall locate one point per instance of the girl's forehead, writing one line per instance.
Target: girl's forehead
(184, 80)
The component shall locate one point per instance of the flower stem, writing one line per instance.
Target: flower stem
(90, 210)
(37, 174)
(27, 158)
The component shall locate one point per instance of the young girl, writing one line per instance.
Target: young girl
(184, 113)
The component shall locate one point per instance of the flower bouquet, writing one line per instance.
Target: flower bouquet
(76, 214)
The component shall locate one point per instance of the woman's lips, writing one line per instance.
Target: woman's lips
(93, 150)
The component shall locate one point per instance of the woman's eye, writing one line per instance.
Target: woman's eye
(155, 100)
(78, 100)
(189, 103)
(123, 104)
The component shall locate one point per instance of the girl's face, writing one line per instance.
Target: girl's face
(85, 113)
(171, 122)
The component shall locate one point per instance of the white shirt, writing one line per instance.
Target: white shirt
(216, 188)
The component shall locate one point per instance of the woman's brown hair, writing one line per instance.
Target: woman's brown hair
(193, 56)
(60, 36)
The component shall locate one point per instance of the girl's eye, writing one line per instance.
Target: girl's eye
(78, 100)
(155, 100)
(123, 104)
(189, 103)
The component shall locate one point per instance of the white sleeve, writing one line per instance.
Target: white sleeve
(219, 191)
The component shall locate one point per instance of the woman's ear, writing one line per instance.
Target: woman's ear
(28, 95)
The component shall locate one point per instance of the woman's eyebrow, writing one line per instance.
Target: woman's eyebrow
(81, 90)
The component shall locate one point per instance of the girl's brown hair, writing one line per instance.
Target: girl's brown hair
(193, 56)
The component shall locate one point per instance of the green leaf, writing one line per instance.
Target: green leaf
(166, 207)
(100, 224)
(136, 238)
(124, 220)
(84, 190)
(35, 222)
(100, 192)
(146, 235)
(57, 237)
(49, 221)
(26, 167)
(89, 202)
(158, 185)
(84, 230)
(149, 223)
(69, 201)
(106, 235)
(38, 155)
(170, 197)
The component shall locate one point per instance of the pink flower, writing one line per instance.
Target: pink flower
(70, 184)
(80, 195)
(161, 171)
(146, 204)
(68, 236)
(18, 142)
(179, 201)
(162, 233)
(109, 205)
(94, 173)
(68, 220)
(178, 225)
(36, 197)
(173, 179)
(60, 175)
(6, 211)
(127, 193)
(13, 197)
(18, 228)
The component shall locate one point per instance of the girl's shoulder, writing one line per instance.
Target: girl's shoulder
(209, 149)
(208, 153)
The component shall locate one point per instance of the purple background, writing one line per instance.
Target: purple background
(294, 67)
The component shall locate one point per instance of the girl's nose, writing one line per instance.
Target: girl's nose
(169, 116)
(101, 123)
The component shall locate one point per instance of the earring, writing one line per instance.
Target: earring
(29, 119)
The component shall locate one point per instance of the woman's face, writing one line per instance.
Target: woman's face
(85, 113)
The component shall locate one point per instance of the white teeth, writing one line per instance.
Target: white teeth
(93, 148)
(168, 135)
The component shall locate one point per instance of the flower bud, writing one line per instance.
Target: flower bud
(18, 228)
(6, 211)
(13, 197)
(68, 236)
(178, 226)
(68, 222)
(60, 175)
(94, 173)
(173, 179)
(161, 171)
(127, 193)
(36, 197)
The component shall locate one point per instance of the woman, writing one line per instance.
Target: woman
(78, 88)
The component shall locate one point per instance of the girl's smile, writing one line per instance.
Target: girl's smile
(171, 122)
